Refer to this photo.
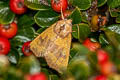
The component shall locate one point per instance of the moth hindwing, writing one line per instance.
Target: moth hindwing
(54, 44)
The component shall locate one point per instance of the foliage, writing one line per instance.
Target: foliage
(83, 63)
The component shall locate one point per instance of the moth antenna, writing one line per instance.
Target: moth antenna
(62, 14)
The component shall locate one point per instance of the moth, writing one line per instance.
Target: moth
(54, 44)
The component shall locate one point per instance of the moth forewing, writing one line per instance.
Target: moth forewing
(54, 44)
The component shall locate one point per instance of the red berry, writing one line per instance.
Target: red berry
(17, 6)
(39, 76)
(8, 31)
(92, 46)
(65, 14)
(107, 68)
(59, 5)
(100, 77)
(4, 46)
(26, 48)
(102, 56)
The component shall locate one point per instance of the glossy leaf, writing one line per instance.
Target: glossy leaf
(6, 15)
(80, 52)
(76, 16)
(20, 39)
(101, 2)
(114, 28)
(113, 38)
(24, 32)
(13, 56)
(26, 20)
(36, 5)
(113, 13)
(85, 17)
(82, 4)
(40, 30)
(113, 3)
(81, 31)
(103, 40)
(25, 29)
(46, 18)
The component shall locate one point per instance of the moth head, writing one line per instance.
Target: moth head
(63, 27)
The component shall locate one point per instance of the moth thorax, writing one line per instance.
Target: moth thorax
(63, 28)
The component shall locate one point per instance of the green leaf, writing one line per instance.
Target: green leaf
(15, 42)
(103, 40)
(36, 5)
(18, 40)
(101, 2)
(82, 4)
(78, 64)
(81, 31)
(13, 56)
(114, 28)
(26, 20)
(20, 51)
(41, 30)
(76, 16)
(29, 65)
(80, 70)
(85, 17)
(113, 13)
(113, 3)
(6, 15)
(80, 52)
(118, 19)
(114, 39)
(80, 49)
(26, 32)
(46, 18)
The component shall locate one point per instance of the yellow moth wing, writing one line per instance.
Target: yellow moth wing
(54, 45)
(37, 46)
(59, 58)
